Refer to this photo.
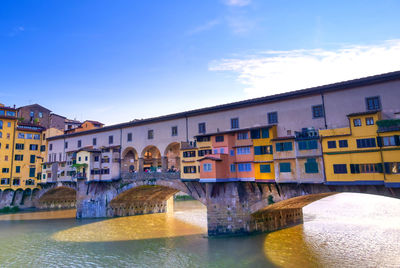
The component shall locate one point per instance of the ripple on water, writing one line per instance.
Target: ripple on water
(346, 230)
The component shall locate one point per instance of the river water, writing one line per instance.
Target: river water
(345, 230)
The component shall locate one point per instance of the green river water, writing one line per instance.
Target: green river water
(345, 230)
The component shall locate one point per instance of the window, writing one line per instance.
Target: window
(33, 147)
(233, 168)
(19, 157)
(392, 168)
(202, 128)
(234, 123)
(318, 111)
(219, 138)
(86, 158)
(32, 113)
(343, 144)
(273, 118)
(243, 150)
(17, 169)
(390, 141)
(189, 154)
(215, 151)
(21, 135)
(110, 139)
(242, 135)
(311, 166)
(369, 121)
(221, 150)
(244, 167)
(66, 145)
(207, 167)
(16, 181)
(265, 168)
(284, 167)
(94, 141)
(357, 122)
(255, 134)
(1, 124)
(366, 143)
(79, 143)
(32, 159)
(150, 134)
(40, 114)
(189, 169)
(204, 152)
(260, 150)
(232, 152)
(36, 137)
(96, 158)
(308, 145)
(366, 168)
(10, 113)
(340, 169)
(129, 137)
(283, 146)
(42, 148)
(29, 136)
(50, 147)
(9, 124)
(174, 131)
(373, 103)
(5, 181)
(5, 170)
(265, 133)
(32, 172)
(203, 139)
(19, 146)
(79, 158)
(331, 144)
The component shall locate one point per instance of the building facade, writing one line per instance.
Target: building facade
(292, 153)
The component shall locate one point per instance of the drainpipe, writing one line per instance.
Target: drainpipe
(323, 108)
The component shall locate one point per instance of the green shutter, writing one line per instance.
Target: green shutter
(265, 168)
(284, 167)
(32, 172)
(265, 133)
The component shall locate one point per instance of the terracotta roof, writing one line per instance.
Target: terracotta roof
(284, 138)
(370, 80)
(211, 158)
(37, 105)
(363, 113)
(234, 130)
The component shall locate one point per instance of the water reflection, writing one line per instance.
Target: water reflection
(345, 230)
(41, 215)
(140, 227)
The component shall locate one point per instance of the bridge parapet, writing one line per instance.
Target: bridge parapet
(150, 175)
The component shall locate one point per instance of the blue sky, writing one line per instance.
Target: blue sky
(114, 61)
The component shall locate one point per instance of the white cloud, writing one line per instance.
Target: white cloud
(272, 72)
(205, 27)
(239, 3)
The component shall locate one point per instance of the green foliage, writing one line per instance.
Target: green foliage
(270, 200)
(9, 209)
(78, 167)
(388, 123)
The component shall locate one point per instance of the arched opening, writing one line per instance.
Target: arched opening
(129, 160)
(172, 154)
(151, 158)
(58, 198)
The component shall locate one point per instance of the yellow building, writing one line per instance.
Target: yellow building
(389, 142)
(29, 154)
(8, 121)
(352, 155)
(190, 153)
(263, 153)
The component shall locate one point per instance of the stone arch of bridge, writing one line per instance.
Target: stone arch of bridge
(58, 197)
(143, 198)
(172, 157)
(130, 159)
(151, 156)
